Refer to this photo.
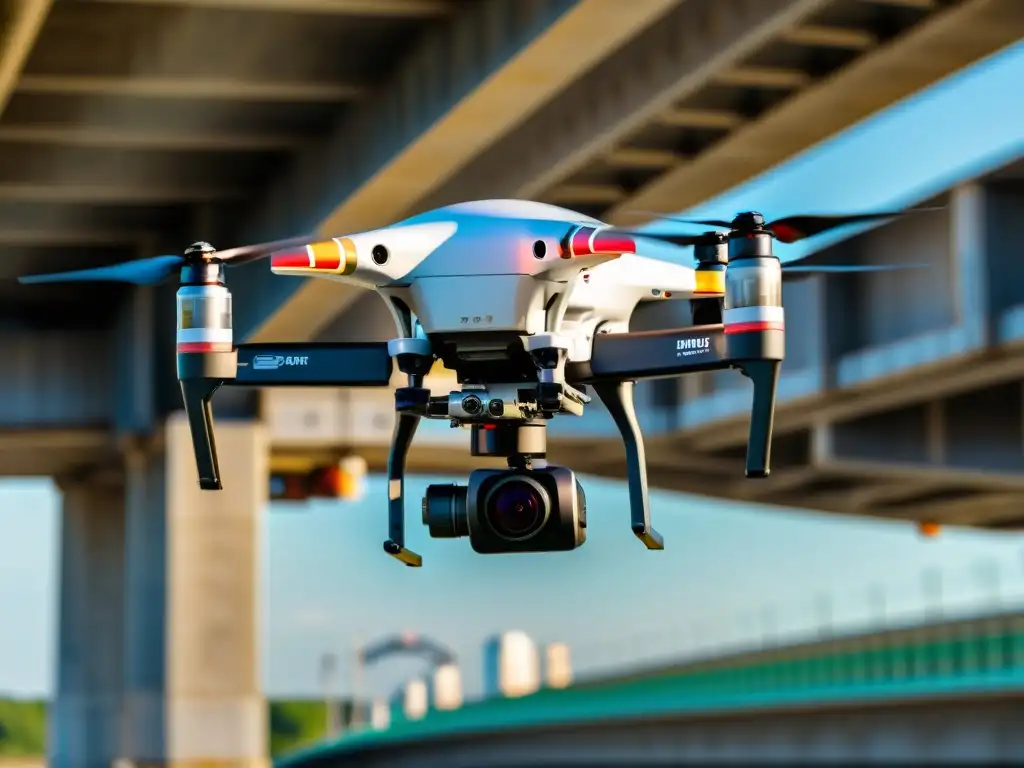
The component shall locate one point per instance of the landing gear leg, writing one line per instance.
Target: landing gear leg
(415, 359)
(618, 399)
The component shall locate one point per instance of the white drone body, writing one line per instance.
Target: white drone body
(500, 267)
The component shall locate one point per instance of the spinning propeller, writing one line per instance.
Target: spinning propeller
(156, 269)
(790, 229)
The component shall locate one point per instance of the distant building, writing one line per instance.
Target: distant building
(446, 687)
(380, 714)
(417, 700)
(511, 665)
(557, 666)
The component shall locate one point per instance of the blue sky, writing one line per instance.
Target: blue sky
(327, 581)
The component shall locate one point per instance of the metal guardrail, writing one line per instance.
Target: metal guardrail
(966, 657)
(969, 645)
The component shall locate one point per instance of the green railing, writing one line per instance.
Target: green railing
(969, 647)
(972, 656)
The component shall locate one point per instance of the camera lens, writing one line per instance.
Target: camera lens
(444, 511)
(516, 508)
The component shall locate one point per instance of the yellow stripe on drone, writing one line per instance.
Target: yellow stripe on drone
(323, 253)
(341, 248)
(709, 283)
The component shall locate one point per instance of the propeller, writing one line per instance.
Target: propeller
(791, 268)
(790, 229)
(155, 270)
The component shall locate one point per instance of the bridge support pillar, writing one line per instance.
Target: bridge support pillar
(192, 654)
(85, 720)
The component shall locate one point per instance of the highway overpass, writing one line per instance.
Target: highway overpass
(130, 128)
(940, 692)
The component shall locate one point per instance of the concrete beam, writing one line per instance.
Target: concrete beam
(941, 45)
(22, 24)
(43, 238)
(638, 84)
(112, 194)
(470, 83)
(402, 9)
(821, 36)
(171, 87)
(119, 138)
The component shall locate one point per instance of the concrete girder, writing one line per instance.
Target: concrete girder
(405, 9)
(907, 472)
(943, 379)
(117, 194)
(192, 88)
(22, 24)
(116, 138)
(446, 105)
(939, 46)
(636, 85)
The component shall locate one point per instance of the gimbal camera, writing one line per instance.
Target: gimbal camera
(529, 305)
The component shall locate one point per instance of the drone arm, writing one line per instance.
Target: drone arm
(313, 365)
(656, 354)
(618, 399)
(201, 374)
(617, 357)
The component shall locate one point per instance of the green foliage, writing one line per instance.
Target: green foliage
(296, 724)
(293, 724)
(22, 728)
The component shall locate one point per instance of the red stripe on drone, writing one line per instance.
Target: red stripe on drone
(756, 326)
(290, 260)
(579, 243)
(590, 241)
(203, 346)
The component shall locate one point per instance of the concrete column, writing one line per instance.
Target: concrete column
(192, 652)
(85, 719)
(969, 255)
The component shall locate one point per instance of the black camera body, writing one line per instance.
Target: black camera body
(542, 509)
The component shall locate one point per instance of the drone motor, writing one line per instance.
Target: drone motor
(205, 351)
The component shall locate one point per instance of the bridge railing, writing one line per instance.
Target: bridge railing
(932, 598)
(979, 650)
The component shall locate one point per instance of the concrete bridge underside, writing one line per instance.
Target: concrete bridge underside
(125, 124)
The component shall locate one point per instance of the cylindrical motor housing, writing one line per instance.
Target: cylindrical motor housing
(755, 338)
(206, 357)
(204, 319)
(753, 316)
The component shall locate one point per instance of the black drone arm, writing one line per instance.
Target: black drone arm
(269, 365)
(657, 354)
(313, 365)
(618, 359)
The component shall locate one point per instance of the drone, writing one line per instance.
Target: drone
(529, 304)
